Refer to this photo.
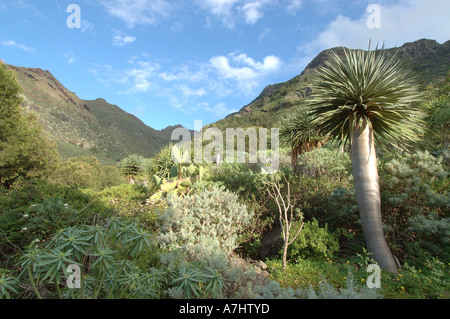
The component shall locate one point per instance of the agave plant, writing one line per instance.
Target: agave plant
(132, 166)
(365, 99)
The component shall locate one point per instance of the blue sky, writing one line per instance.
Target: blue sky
(172, 61)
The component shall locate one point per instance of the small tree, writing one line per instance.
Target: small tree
(289, 217)
(364, 99)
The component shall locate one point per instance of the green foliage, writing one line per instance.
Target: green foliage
(24, 150)
(86, 172)
(366, 87)
(162, 162)
(44, 219)
(130, 201)
(197, 280)
(35, 210)
(132, 167)
(428, 279)
(327, 161)
(297, 133)
(351, 291)
(438, 119)
(316, 279)
(413, 187)
(211, 220)
(433, 233)
(313, 242)
(239, 179)
(8, 285)
(104, 252)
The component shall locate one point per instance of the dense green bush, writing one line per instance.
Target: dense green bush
(208, 221)
(132, 167)
(105, 254)
(326, 161)
(241, 180)
(433, 233)
(86, 172)
(313, 242)
(438, 120)
(34, 210)
(413, 187)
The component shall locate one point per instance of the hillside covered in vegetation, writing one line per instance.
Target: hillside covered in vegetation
(154, 228)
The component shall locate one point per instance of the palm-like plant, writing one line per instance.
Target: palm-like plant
(132, 166)
(367, 98)
(298, 133)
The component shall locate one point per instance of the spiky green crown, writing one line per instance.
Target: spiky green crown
(368, 86)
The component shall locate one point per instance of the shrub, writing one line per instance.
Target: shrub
(413, 187)
(415, 183)
(35, 209)
(132, 166)
(433, 233)
(313, 242)
(105, 254)
(210, 220)
(86, 172)
(326, 161)
(161, 163)
(428, 279)
(240, 179)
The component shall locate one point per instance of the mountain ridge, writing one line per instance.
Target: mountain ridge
(85, 127)
(98, 128)
(428, 58)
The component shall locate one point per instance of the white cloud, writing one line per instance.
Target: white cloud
(243, 70)
(142, 76)
(294, 6)
(108, 75)
(264, 33)
(138, 12)
(253, 11)
(12, 43)
(86, 26)
(70, 56)
(121, 39)
(188, 92)
(230, 11)
(405, 21)
(183, 73)
(186, 87)
(220, 110)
